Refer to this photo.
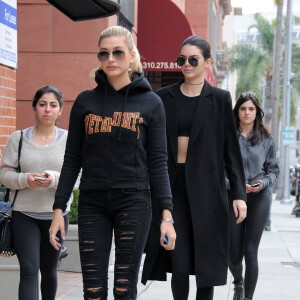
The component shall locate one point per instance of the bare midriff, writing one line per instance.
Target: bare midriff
(183, 142)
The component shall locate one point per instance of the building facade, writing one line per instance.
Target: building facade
(8, 64)
(52, 49)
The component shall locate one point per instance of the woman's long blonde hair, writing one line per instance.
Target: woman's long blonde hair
(136, 66)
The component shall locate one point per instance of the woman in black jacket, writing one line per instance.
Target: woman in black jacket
(117, 136)
(201, 139)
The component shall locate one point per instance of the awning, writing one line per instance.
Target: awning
(80, 10)
(162, 27)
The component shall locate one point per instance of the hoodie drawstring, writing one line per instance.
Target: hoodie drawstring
(122, 116)
(104, 102)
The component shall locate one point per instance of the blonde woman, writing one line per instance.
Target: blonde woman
(117, 136)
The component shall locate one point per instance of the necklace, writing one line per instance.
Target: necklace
(45, 140)
(191, 93)
(194, 83)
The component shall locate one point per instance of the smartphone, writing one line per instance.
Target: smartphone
(255, 184)
(39, 178)
(166, 240)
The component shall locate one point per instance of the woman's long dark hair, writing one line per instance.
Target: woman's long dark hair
(259, 128)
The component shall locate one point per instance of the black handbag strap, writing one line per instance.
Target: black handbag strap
(6, 197)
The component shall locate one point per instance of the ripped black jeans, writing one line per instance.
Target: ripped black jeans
(127, 213)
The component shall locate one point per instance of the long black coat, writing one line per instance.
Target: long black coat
(213, 145)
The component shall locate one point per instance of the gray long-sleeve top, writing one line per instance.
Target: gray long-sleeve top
(259, 160)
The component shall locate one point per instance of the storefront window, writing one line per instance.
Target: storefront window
(126, 14)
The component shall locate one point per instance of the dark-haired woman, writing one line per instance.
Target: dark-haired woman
(261, 171)
(41, 160)
(201, 138)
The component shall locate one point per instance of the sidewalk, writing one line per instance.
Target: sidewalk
(279, 267)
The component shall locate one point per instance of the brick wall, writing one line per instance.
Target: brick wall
(7, 104)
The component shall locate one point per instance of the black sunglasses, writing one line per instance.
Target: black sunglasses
(248, 94)
(193, 61)
(118, 55)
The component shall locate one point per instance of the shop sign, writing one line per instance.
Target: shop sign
(288, 135)
(8, 33)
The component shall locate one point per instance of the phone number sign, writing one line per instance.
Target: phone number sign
(8, 33)
(160, 66)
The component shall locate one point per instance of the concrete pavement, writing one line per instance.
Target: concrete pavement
(279, 267)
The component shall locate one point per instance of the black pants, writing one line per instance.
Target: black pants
(35, 253)
(182, 257)
(127, 212)
(245, 238)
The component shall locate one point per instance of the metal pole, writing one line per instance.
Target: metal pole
(276, 72)
(278, 129)
(287, 102)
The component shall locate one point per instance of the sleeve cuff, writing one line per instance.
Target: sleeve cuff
(263, 184)
(166, 205)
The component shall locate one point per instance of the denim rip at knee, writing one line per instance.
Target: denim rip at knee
(127, 213)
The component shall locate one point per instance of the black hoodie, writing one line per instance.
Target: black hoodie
(118, 138)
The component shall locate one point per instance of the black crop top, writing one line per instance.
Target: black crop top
(185, 113)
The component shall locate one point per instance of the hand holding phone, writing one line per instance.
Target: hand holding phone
(39, 178)
(166, 240)
(255, 184)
